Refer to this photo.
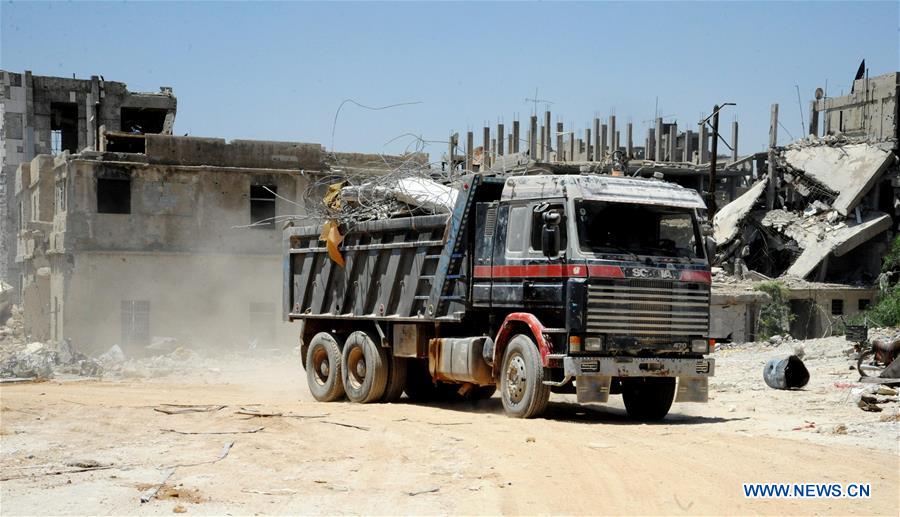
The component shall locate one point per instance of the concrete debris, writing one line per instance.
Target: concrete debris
(819, 238)
(726, 222)
(6, 292)
(112, 356)
(848, 170)
(825, 205)
(400, 197)
(426, 193)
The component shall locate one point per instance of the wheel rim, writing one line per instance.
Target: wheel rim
(356, 367)
(321, 366)
(516, 378)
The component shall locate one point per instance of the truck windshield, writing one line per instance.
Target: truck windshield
(636, 229)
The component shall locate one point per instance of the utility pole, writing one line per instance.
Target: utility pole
(711, 204)
(714, 155)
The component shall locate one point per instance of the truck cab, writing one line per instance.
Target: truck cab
(615, 270)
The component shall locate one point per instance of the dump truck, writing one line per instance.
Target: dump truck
(588, 284)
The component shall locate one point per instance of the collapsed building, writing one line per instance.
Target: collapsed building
(823, 216)
(132, 236)
(49, 115)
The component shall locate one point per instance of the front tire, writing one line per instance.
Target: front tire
(522, 387)
(323, 368)
(365, 371)
(648, 398)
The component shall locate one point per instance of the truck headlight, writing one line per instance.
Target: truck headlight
(593, 344)
(700, 346)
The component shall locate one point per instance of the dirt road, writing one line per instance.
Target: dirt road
(406, 458)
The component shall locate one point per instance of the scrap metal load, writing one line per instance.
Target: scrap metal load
(830, 197)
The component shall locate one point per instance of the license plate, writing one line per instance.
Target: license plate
(590, 366)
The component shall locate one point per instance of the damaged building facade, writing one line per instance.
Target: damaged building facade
(179, 241)
(50, 115)
(823, 216)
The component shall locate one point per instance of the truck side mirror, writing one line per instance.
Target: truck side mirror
(550, 240)
(710, 248)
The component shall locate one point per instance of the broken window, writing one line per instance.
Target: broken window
(135, 323)
(863, 304)
(63, 127)
(262, 206)
(55, 141)
(837, 307)
(143, 120)
(114, 195)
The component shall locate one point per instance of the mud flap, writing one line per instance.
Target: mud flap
(692, 389)
(592, 388)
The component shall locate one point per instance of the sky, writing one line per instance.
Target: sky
(280, 71)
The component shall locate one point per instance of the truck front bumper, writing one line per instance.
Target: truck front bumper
(638, 367)
(593, 375)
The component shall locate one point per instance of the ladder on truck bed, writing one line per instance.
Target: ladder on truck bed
(450, 287)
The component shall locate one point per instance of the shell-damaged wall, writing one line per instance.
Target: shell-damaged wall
(180, 261)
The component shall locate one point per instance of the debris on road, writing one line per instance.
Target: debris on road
(177, 409)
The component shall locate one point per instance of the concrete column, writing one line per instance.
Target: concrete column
(603, 140)
(734, 141)
(560, 153)
(657, 149)
(613, 147)
(598, 149)
(587, 145)
(572, 145)
(515, 136)
(511, 146)
(813, 119)
(629, 143)
(486, 145)
(704, 143)
(673, 142)
(773, 141)
(532, 138)
(688, 146)
(617, 143)
(650, 151)
(547, 140)
(501, 135)
(470, 150)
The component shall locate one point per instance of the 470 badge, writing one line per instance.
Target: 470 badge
(647, 272)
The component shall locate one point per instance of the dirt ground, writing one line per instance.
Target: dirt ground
(465, 458)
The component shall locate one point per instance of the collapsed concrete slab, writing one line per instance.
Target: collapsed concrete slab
(727, 221)
(849, 170)
(819, 239)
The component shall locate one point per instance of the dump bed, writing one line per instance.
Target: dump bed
(410, 268)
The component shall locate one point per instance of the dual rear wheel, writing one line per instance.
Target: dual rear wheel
(363, 371)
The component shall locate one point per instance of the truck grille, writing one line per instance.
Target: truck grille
(656, 309)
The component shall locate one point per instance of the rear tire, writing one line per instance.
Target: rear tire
(396, 379)
(522, 387)
(648, 398)
(365, 371)
(323, 368)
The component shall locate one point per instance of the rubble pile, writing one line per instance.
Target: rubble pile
(21, 358)
(823, 206)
